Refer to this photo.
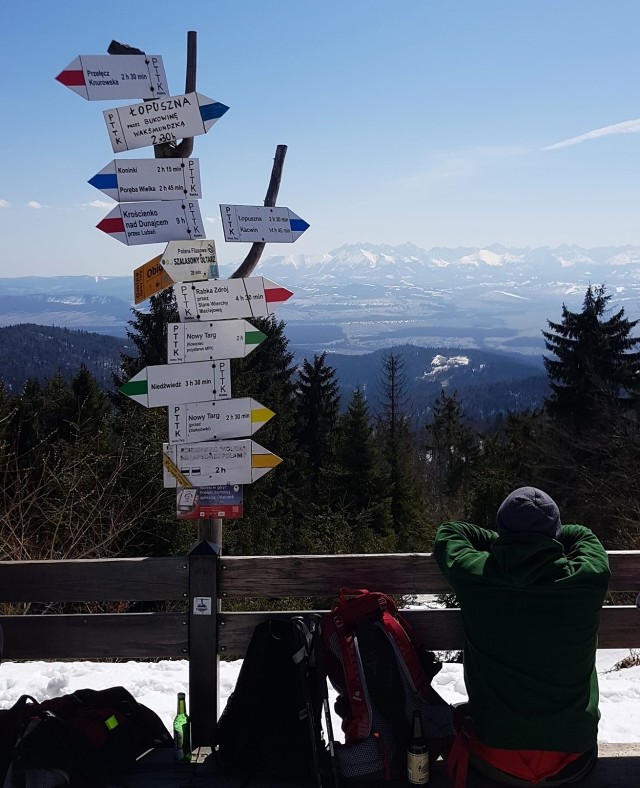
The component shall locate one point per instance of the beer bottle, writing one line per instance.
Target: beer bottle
(417, 753)
(182, 731)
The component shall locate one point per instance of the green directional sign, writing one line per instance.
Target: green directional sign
(211, 340)
(177, 384)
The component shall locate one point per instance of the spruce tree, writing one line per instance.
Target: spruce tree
(451, 448)
(398, 443)
(271, 508)
(148, 333)
(317, 408)
(363, 480)
(596, 371)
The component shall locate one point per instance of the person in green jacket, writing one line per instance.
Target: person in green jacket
(530, 595)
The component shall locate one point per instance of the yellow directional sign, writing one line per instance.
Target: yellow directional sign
(150, 279)
(217, 462)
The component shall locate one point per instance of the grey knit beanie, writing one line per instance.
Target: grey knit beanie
(528, 509)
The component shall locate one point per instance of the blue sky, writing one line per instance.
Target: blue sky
(456, 122)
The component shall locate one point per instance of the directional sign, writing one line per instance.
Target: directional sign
(149, 279)
(208, 341)
(198, 381)
(185, 262)
(218, 462)
(164, 120)
(213, 421)
(115, 76)
(218, 500)
(253, 296)
(258, 223)
(153, 222)
(132, 180)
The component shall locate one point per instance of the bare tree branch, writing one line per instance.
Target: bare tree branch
(255, 253)
(168, 150)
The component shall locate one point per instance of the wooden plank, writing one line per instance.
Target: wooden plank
(396, 573)
(99, 580)
(625, 570)
(618, 766)
(439, 630)
(323, 575)
(133, 635)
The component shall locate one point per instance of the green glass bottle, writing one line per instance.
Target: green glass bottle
(182, 731)
(417, 754)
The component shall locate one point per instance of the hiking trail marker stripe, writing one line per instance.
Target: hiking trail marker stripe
(218, 462)
(260, 223)
(223, 299)
(134, 180)
(163, 120)
(171, 468)
(177, 384)
(211, 421)
(209, 341)
(153, 222)
(150, 278)
(99, 77)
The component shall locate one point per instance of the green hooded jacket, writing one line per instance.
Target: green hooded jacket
(530, 609)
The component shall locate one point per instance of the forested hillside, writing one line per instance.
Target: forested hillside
(81, 471)
(489, 384)
(29, 351)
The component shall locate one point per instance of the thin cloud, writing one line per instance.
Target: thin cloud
(211, 219)
(463, 163)
(99, 204)
(4, 203)
(33, 204)
(626, 127)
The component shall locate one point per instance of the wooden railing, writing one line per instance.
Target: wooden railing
(202, 583)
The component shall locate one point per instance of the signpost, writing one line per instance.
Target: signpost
(163, 120)
(177, 384)
(253, 296)
(153, 222)
(218, 500)
(218, 462)
(96, 77)
(150, 278)
(208, 341)
(185, 262)
(212, 421)
(133, 180)
(260, 223)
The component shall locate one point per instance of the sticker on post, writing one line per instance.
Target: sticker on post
(202, 606)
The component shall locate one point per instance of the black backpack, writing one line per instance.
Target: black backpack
(271, 725)
(86, 739)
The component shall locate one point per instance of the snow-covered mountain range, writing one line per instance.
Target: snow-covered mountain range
(361, 297)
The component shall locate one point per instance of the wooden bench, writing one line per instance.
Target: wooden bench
(204, 589)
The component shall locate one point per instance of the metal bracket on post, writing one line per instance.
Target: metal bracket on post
(203, 643)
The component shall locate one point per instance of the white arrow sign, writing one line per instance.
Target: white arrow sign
(164, 120)
(218, 462)
(153, 222)
(222, 299)
(202, 341)
(211, 421)
(259, 223)
(188, 261)
(132, 180)
(115, 76)
(176, 384)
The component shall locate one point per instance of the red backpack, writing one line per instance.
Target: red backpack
(382, 675)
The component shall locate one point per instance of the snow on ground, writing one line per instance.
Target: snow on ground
(156, 683)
